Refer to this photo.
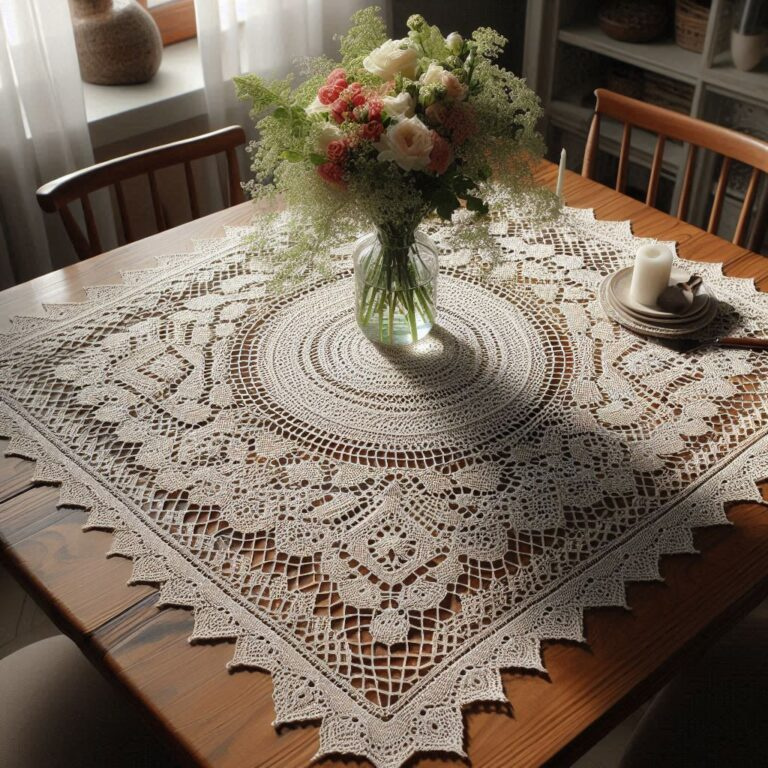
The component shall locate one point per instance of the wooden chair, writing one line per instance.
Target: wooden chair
(697, 134)
(56, 195)
(57, 710)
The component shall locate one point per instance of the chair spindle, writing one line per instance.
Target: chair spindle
(717, 203)
(156, 204)
(621, 175)
(77, 238)
(191, 191)
(653, 181)
(90, 225)
(124, 220)
(746, 207)
(685, 191)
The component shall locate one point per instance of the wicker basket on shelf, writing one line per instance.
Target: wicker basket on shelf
(634, 21)
(691, 18)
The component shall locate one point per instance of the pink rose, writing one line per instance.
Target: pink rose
(441, 155)
(336, 74)
(332, 173)
(355, 95)
(371, 131)
(347, 102)
(337, 151)
(340, 110)
(327, 94)
(454, 88)
(461, 122)
(436, 113)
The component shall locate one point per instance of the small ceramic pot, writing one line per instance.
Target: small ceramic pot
(748, 50)
(118, 42)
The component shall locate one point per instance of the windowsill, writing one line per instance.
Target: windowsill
(118, 112)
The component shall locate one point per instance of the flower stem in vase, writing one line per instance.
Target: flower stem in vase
(395, 275)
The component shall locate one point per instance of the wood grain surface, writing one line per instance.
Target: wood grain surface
(224, 720)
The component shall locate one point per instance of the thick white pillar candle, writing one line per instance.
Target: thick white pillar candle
(560, 175)
(650, 276)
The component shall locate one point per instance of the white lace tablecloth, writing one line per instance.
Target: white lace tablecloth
(384, 531)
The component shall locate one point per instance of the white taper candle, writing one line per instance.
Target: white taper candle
(560, 175)
(650, 276)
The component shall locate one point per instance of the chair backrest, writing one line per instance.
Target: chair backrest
(56, 195)
(667, 124)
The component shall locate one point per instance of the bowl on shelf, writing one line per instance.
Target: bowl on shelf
(634, 21)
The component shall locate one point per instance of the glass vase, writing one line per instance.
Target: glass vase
(395, 285)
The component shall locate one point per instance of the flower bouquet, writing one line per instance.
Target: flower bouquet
(394, 132)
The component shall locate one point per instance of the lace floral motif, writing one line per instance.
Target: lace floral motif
(384, 530)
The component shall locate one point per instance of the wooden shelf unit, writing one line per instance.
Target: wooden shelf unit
(664, 57)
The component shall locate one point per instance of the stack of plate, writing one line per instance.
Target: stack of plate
(654, 321)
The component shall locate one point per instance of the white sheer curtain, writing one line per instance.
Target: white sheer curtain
(44, 132)
(265, 37)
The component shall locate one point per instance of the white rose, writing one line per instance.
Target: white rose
(398, 106)
(408, 143)
(437, 75)
(454, 41)
(326, 135)
(433, 75)
(391, 58)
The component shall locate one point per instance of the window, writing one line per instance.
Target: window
(175, 18)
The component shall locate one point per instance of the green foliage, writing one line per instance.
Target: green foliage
(366, 32)
(262, 93)
(429, 39)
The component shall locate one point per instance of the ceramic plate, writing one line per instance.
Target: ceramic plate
(649, 327)
(688, 317)
(619, 284)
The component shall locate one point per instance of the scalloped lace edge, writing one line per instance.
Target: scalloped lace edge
(300, 691)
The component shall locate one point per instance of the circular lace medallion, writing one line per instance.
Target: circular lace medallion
(478, 377)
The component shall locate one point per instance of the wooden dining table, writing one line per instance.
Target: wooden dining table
(224, 720)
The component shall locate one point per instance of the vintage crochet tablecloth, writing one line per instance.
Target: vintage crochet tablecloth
(384, 530)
